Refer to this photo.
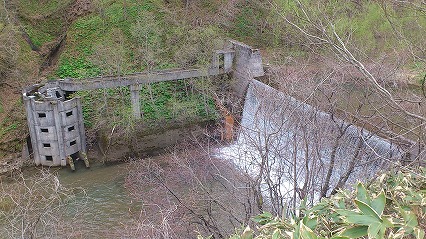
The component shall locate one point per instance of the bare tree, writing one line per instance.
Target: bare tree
(39, 206)
(190, 192)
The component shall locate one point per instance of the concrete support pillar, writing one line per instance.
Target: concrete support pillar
(215, 63)
(228, 60)
(81, 126)
(135, 98)
(57, 108)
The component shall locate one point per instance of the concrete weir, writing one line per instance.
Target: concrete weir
(56, 123)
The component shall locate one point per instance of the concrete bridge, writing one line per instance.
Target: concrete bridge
(56, 124)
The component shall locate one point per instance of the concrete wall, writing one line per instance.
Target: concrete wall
(247, 65)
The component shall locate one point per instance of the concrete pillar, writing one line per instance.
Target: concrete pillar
(215, 63)
(58, 128)
(228, 60)
(135, 98)
(81, 127)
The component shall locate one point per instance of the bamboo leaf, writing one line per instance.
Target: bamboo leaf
(419, 233)
(363, 220)
(378, 204)
(247, 233)
(361, 193)
(366, 209)
(306, 232)
(310, 222)
(355, 232)
(276, 234)
(373, 230)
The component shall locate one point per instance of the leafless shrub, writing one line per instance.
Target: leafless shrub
(38, 206)
(190, 192)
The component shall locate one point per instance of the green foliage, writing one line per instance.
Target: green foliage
(162, 104)
(6, 129)
(179, 102)
(244, 26)
(393, 206)
(76, 68)
(41, 7)
(38, 36)
(121, 37)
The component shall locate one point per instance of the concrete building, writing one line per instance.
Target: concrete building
(55, 124)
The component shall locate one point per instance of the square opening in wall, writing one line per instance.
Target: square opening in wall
(49, 158)
(42, 115)
(44, 130)
(68, 114)
(73, 143)
(46, 145)
(71, 128)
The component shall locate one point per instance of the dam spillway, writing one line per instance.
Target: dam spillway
(299, 152)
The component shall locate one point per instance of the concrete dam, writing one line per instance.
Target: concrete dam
(271, 120)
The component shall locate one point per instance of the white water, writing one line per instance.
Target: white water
(295, 140)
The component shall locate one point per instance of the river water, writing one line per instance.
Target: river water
(109, 207)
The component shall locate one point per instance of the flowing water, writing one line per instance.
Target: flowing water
(297, 142)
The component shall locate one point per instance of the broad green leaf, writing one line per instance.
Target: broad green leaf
(344, 212)
(310, 222)
(361, 193)
(409, 218)
(373, 230)
(367, 210)
(263, 218)
(363, 220)
(355, 232)
(382, 232)
(306, 232)
(378, 203)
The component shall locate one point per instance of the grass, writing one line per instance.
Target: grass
(37, 36)
(41, 7)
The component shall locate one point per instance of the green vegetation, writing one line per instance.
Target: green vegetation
(38, 37)
(123, 37)
(392, 206)
(76, 68)
(8, 128)
(42, 8)
(162, 104)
